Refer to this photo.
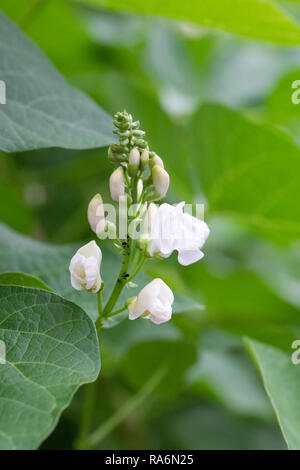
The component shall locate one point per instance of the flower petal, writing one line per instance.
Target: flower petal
(189, 257)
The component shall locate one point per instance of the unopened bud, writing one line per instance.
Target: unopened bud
(96, 214)
(139, 188)
(161, 180)
(134, 161)
(144, 159)
(156, 160)
(111, 154)
(117, 184)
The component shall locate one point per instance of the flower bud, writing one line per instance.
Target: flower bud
(117, 184)
(161, 181)
(134, 161)
(85, 268)
(139, 188)
(144, 159)
(96, 214)
(153, 302)
(112, 156)
(156, 160)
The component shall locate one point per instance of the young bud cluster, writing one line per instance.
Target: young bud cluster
(140, 173)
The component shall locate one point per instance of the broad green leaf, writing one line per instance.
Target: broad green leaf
(228, 377)
(22, 279)
(282, 383)
(282, 106)
(256, 19)
(57, 23)
(248, 171)
(42, 109)
(50, 263)
(51, 349)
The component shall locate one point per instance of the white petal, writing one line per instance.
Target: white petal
(91, 249)
(189, 257)
(166, 293)
(146, 296)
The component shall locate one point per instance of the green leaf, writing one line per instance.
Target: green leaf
(229, 378)
(51, 264)
(282, 383)
(257, 19)
(51, 349)
(42, 109)
(280, 109)
(248, 171)
(22, 279)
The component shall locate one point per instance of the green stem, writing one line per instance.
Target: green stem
(121, 281)
(115, 312)
(99, 434)
(99, 320)
(139, 267)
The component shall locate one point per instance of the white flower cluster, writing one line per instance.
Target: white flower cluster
(141, 178)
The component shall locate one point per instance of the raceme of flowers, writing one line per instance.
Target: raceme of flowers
(141, 179)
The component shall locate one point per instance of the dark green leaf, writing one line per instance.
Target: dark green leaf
(282, 383)
(42, 109)
(22, 279)
(51, 349)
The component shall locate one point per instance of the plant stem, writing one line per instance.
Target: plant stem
(115, 312)
(139, 267)
(121, 281)
(99, 434)
(99, 320)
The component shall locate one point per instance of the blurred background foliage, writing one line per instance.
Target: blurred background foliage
(179, 80)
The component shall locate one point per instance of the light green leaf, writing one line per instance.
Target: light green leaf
(42, 109)
(228, 377)
(248, 171)
(281, 106)
(24, 280)
(257, 19)
(51, 264)
(282, 383)
(51, 349)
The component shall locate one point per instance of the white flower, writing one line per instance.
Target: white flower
(171, 229)
(85, 268)
(153, 302)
